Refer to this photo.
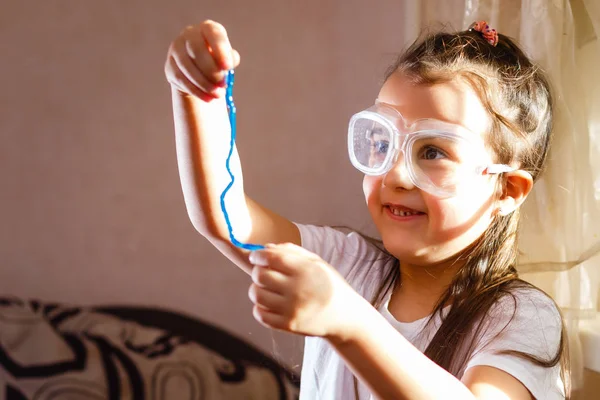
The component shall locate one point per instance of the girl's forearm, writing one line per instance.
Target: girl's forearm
(389, 364)
(202, 138)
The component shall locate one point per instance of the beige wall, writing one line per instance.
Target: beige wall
(92, 210)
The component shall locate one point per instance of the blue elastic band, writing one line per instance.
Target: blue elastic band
(231, 109)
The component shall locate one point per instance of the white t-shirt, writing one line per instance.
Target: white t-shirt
(535, 328)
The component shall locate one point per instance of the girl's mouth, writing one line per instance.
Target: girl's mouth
(402, 213)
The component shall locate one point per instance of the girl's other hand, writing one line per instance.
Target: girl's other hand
(296, 291)
(198, 60)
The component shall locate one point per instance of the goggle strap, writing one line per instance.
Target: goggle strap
(498, 168)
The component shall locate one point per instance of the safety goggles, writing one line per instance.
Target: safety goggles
(437, 156)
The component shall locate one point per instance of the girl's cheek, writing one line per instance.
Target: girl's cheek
(470, 213)
(451, 212)
(441, 212)
(370, 185)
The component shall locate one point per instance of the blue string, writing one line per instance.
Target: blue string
(232, 112)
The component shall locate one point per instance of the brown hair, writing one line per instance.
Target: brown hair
(517, 96)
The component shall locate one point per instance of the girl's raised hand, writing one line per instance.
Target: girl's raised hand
(198, 60)
(296, 291)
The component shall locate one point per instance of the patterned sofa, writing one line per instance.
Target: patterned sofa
(53, 351)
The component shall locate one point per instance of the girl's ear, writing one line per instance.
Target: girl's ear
(518, 185)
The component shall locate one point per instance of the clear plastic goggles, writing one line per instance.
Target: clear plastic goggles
(438, 156)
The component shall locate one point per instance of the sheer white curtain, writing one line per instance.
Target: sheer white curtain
(560, 236)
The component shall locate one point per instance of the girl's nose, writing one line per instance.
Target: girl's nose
(398, 178)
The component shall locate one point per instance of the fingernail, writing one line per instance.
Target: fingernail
(257, 258)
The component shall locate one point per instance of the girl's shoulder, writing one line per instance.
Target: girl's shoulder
(359, 259)
(525, 319)
(526, 301)
(524, 325)
(341, 243)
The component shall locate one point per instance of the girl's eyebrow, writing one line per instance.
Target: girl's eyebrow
(374, 131)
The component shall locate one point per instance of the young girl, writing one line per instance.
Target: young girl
(458, 134)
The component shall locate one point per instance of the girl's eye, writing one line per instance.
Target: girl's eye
(432, 153)
(380, 146)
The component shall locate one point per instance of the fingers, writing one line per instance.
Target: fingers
(271, 319)
(189, 81)
(266, 299)
(198, 60)
(218, 44)
(276, 260)
(199, 67)
(268, 288)
(269, 278)
(285, 258)
(291, 247)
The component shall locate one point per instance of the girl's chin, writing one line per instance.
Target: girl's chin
(421, 253)
(402, 236)
(409, 249)
(400, 250)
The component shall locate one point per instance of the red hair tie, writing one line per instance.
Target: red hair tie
(488, 34)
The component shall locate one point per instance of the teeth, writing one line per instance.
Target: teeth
(402, 213)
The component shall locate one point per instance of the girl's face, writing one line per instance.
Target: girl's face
(443, 227)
